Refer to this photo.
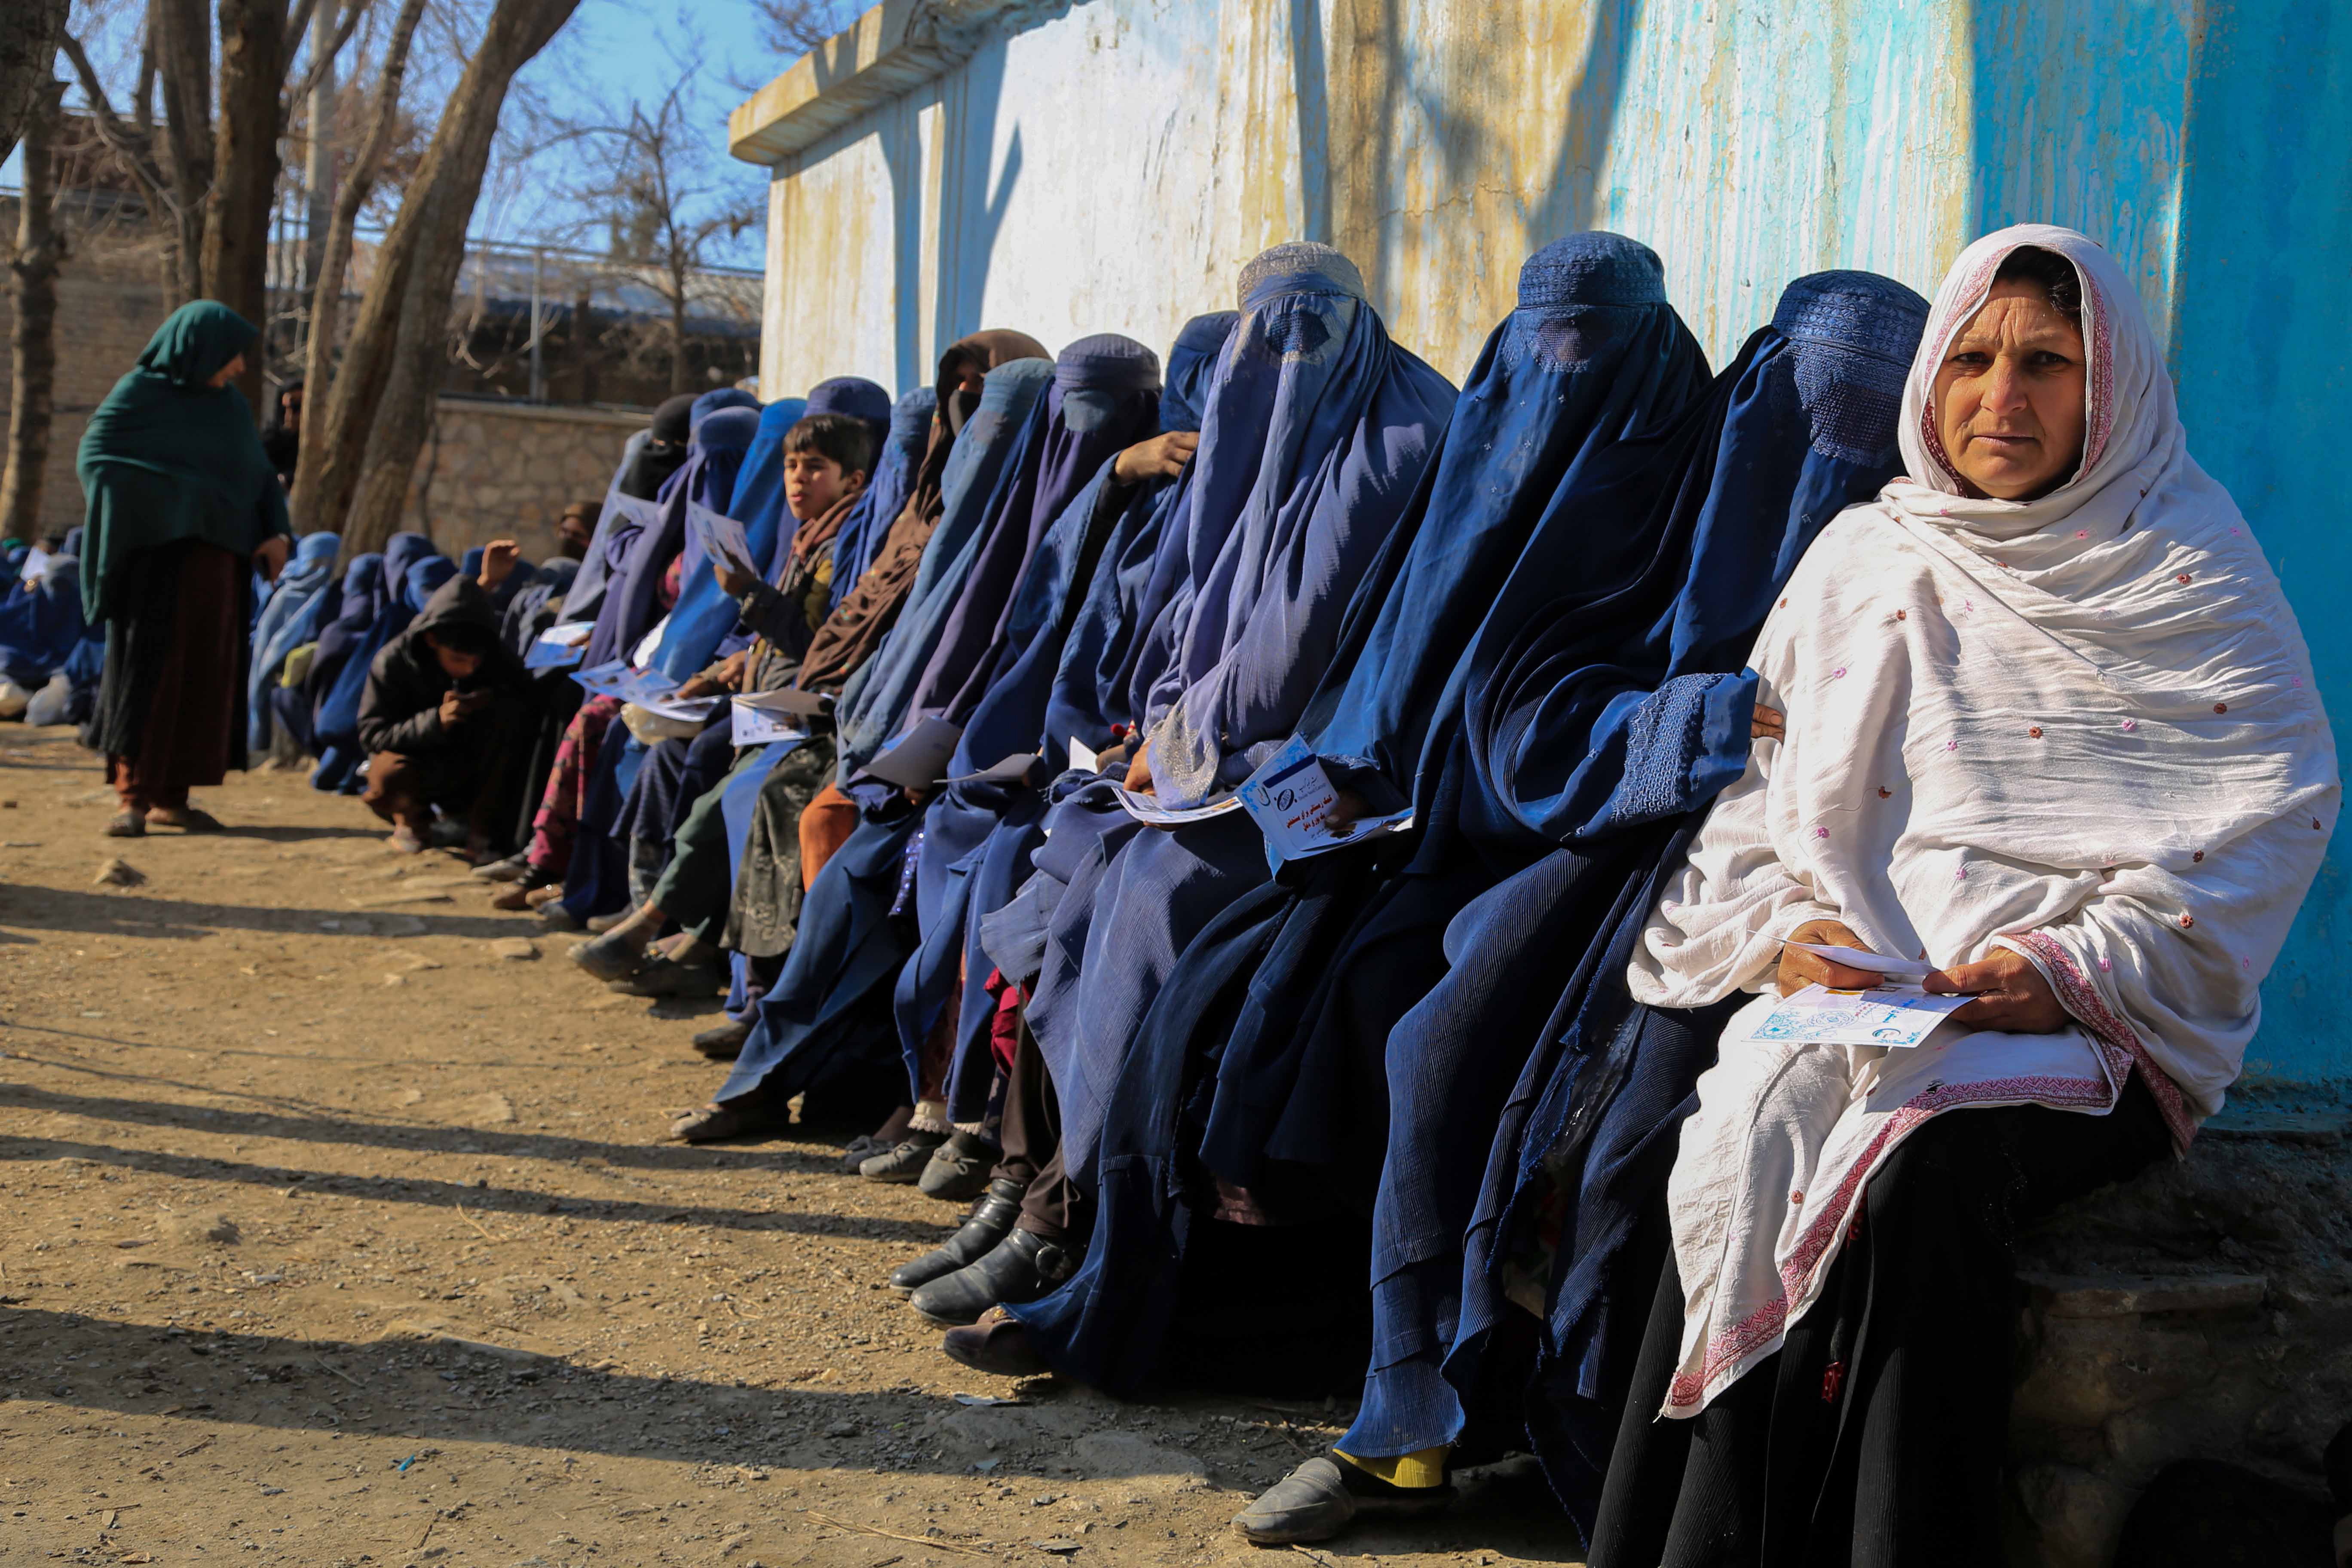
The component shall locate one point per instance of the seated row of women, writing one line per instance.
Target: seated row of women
(1521, 1094)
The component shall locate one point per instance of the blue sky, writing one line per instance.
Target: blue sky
(610, 51)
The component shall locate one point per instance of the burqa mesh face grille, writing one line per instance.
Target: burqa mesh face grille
(1854, 334)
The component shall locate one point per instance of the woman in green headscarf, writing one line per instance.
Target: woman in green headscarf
(180, 496)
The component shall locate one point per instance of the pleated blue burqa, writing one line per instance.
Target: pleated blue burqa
(993, 452)
(335, 726)
(1568, 1208)
(827, 1012)
(1317, 430)
(1592, 357)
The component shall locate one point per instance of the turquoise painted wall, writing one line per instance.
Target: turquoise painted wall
(1110, 168)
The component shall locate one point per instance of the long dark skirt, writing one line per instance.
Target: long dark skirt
(171, 704)
(1874, 1438)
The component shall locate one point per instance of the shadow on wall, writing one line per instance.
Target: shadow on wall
(2261, 351)
(1356, 147)
(2204, 146)
(971, 203)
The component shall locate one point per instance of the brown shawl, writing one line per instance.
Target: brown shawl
(856, 625)
(805, 581)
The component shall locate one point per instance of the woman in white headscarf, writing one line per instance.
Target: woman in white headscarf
(2050, 725)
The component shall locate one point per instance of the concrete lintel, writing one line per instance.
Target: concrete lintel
(895, 46)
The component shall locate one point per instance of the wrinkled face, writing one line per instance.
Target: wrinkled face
(813, 483)
(455, 663)
(2009, 395)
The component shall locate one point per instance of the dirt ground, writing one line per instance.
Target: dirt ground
(338, 1232)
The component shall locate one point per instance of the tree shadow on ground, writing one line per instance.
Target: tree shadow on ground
(136, 914)
(461, 1393)
(304, 1124)
(475, 1200)
(289, 834)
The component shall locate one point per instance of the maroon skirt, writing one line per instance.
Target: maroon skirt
(171, 704)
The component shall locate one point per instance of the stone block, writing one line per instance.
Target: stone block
(2130, 1295)
(2073, 1516)
(2089, 1370)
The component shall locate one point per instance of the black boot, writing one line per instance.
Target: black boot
(983, 1230)
(1023, 1267)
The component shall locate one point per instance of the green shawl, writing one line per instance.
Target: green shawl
(168, 457)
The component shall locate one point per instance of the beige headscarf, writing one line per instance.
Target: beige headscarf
(2081, 726)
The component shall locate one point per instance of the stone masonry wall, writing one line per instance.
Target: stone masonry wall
(2202, 1311)
(110, 302)
(507, 470)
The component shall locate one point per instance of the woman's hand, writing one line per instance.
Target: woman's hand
(1347, 809)
(1799, 969)
(1162, 458)
(1138, 771)
(1770, 724)
(2011, 996)
(270, 559)
(727, 674)
(499, 558)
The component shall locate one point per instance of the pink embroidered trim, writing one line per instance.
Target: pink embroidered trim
(2118, 1041)
(1743, 1338)
(1978, 282)
(2103, 371)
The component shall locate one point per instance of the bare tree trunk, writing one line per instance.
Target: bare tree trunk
(183, 66)
(383, 396)
(246, 167)
(678, 375)
(33, 340)
(326, 293)
(30, 31)
(319, 157)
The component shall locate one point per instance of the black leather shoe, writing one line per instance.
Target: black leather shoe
(983, 1230)
(1022, 1267)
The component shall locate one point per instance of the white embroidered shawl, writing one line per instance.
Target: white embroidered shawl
(2083, 727)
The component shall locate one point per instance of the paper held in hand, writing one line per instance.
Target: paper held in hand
(1145, 809)
(1290, 797)
(918, 758)
(1819, 1017)
(605, 680)
(559, 648)
(1912, 969)
(721, 537)
(759, 718)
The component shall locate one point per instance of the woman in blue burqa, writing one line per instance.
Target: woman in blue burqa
(1317, 428)
(339, 672)
(1074, 623)
(1600, 724)
(1038, 436)
(181, 506)
(301, 604)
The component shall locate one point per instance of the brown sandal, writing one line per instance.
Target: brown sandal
(186, 818)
